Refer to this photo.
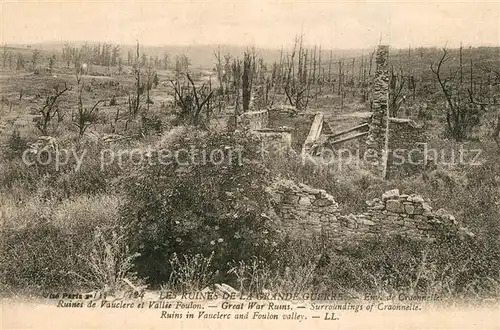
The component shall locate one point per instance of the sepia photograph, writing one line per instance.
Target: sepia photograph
(249, 164)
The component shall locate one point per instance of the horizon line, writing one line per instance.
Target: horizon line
(266, 47)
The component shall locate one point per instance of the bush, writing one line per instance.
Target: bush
(65, 182)
(15, 146)
(112, 101)
(200, 208)
(153, 125)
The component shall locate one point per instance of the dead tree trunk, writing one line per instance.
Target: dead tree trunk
(341, 66)
(246, 81)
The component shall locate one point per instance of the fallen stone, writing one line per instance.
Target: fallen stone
(453, 219)
(427, 209)
(442, 213)
(394, 206)
(409, 209)
(305, 201)
(351, 225)
(390, 194)
(416, 199)
(418, 210)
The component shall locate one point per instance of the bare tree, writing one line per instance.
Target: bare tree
(341, 88)
(35, 56)
(236, 83)
(194, 102)
(219, 68)
(19, 61)
(85, 116)
(246, 80)
(461, 114)
(139, 86)
(166, 60)
(330, 60)
(52, 61)
(298, 86)
(50, 108)
(150, 75)
(182, 64)
(396, 98)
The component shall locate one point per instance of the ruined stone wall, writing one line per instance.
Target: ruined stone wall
(305, 212)
(378, 139)
(299, 122)
(275, 141)
(253, 120)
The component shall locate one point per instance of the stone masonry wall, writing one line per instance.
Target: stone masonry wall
(300, 123)
(275, 141)
(305, 211)
(253, 120)
(378, 139)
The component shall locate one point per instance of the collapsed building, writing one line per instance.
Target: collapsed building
(305, 211)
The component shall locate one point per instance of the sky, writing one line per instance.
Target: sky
(263, 23)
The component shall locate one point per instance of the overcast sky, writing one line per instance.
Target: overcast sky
(264, 23)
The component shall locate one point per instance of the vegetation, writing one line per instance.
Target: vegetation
(103, 225)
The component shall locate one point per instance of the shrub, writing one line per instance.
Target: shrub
(153, 125)
(200, 208)
(112, 101)
(16, 145)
